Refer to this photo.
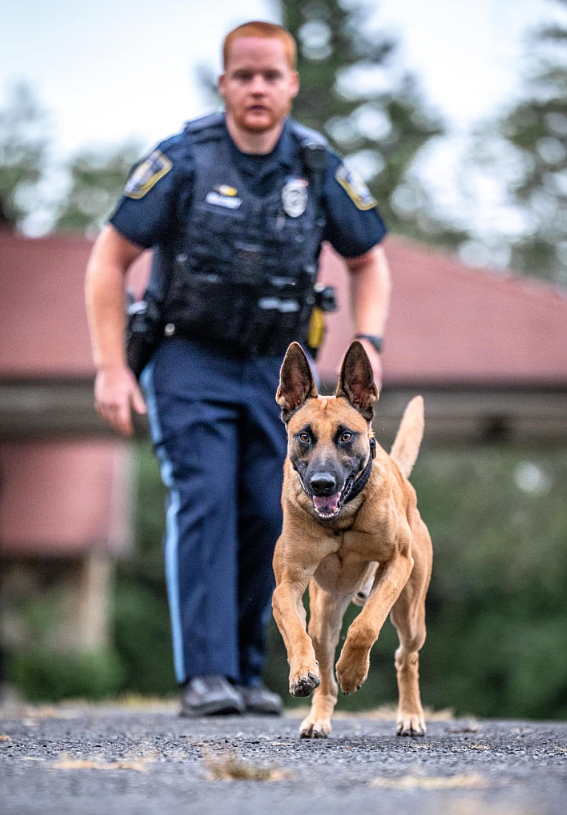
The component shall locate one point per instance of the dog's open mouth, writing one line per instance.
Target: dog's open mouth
(328, 507)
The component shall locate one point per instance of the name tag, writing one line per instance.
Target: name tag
(274, 303)
(230, 202)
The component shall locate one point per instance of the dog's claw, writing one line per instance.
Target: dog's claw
(318, 729)
(348, 692)
(305, 685)
(312, 734)
(409, 731)
(414, 727)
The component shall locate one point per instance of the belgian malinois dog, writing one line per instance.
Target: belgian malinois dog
(352, 532)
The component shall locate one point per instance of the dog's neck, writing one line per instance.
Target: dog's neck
(362, 479)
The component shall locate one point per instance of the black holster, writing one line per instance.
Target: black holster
(143, 333)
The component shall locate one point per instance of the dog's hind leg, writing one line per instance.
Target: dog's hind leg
(326, 615)
(408, 615)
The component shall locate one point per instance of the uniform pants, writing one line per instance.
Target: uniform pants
(221, 444)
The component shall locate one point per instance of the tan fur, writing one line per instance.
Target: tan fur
(377, 551)
(408, 438)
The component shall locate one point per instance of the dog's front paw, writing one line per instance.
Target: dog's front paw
(311, 728)
(352, 669)
(303, 683)
(410, 724)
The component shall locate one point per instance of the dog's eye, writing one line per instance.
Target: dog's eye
(304, 438)
(346, 436)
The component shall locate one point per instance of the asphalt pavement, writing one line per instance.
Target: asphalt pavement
(145, 760)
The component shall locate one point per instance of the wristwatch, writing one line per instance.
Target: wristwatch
(375, 341)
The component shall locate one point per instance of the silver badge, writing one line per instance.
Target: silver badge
(294, 197)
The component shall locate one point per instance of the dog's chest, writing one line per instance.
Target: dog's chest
(341, 572)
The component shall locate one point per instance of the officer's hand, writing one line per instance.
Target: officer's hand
(116, 393)
(375, 361)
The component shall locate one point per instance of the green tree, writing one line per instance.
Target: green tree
(97, 177)
(354, 90)
(537, 128)
(24, 145)
(529, 148)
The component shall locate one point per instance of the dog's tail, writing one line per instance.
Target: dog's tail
(408, 438)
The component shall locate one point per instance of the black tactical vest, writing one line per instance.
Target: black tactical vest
(243, 267)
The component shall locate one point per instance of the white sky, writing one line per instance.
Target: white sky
(119, 69)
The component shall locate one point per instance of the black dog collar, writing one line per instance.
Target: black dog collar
(362, 479)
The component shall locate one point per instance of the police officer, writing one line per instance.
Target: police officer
(235, 208)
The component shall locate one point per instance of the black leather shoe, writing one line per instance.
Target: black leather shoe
(210, 696)
(258, 699)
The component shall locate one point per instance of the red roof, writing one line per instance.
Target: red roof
(42, 306)
(448, 323)
(451, 324)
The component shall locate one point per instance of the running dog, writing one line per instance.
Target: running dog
(352, 532)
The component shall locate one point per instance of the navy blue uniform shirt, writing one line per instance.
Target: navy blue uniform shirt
(151, 207)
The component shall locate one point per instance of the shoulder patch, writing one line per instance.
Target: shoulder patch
(355, 187)
(147, 174)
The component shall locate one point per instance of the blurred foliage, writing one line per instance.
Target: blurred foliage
(97, 179)
(355, 91)
(141, 619)
(142, 635)
(496, 642)
(537, 129)
(41, 660)
(43, 675)
(24, 147)
(523, 153)
(496, 607)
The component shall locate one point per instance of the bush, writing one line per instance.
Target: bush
(142, 637)
(46, 676)
(497, 604)
(496, 608)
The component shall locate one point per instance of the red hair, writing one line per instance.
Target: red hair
(257, 28)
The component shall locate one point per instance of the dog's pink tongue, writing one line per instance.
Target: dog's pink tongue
(326, 504)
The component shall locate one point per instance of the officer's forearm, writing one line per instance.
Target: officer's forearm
(105, 299)
(370, 286)
(105, 310)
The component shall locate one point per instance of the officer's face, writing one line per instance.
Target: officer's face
(258, 84)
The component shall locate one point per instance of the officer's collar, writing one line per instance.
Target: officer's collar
(283, 150)
(286, 145)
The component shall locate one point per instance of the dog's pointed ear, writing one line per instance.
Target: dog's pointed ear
(296, 381)
(356, 381)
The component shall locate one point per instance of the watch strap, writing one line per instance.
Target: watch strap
(375, 340)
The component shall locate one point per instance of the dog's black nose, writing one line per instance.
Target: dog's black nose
(323, 484)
